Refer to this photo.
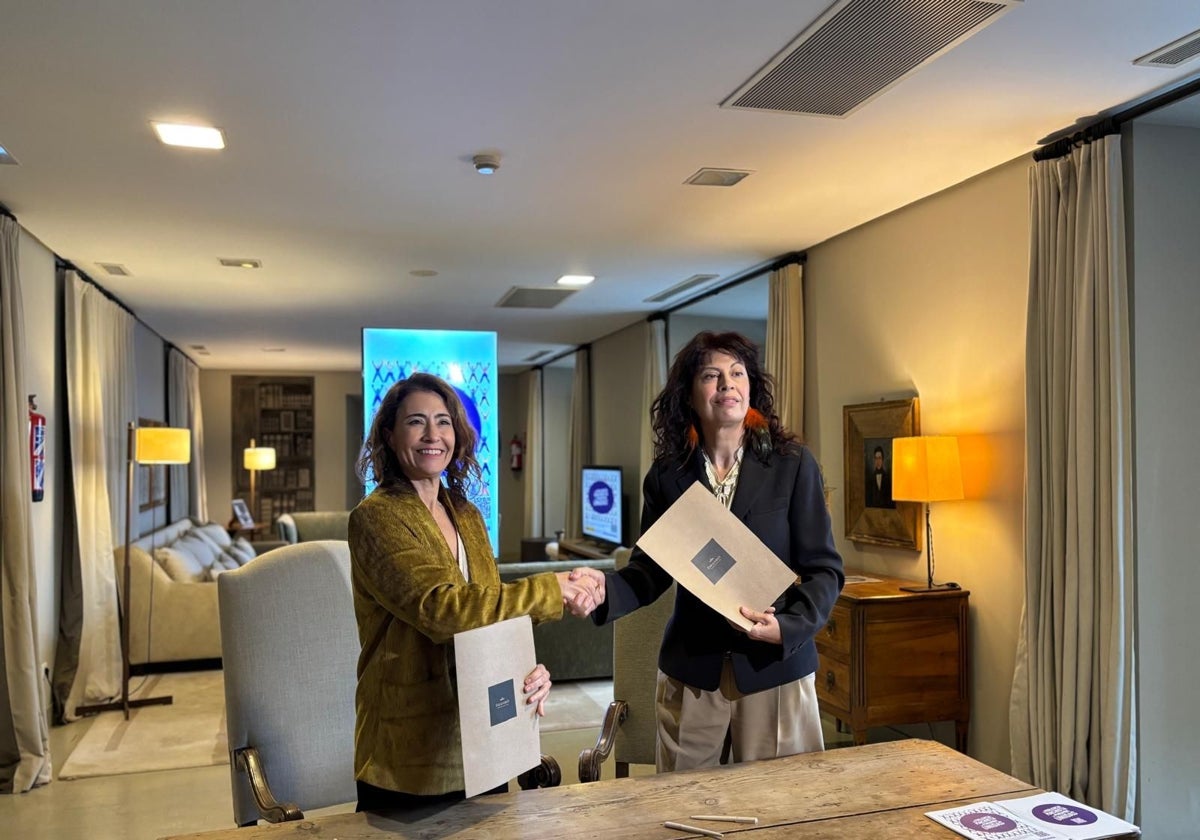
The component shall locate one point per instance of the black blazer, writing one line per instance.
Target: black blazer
(783, 503)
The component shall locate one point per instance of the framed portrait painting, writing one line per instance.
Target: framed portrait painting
(872, 516)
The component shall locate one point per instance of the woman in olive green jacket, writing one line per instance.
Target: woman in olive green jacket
(422, 570)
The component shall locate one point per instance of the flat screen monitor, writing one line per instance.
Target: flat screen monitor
(601, 499)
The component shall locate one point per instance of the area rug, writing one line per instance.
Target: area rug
(188, 733)
(191, 731)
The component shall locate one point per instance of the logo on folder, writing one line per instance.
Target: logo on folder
(502, 703)
(713, 561)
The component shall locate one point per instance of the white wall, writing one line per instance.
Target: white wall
(330, 452)
(44, 376)
(682, 327)
(1165, 212)
(931, 299)
(150, 384)
(556, 424)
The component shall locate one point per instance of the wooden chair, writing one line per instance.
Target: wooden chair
(289, 646)
(628, 731)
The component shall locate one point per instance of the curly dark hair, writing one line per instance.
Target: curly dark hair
(672, 415)
(377, 462)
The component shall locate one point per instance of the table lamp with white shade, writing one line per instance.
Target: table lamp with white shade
(926, 469)
(254, 459)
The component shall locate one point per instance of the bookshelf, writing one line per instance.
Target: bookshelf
(276, 411)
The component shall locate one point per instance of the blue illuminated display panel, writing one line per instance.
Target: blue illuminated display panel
(467, 360)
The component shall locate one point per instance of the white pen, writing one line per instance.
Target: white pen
(718, 818)
(692, 829)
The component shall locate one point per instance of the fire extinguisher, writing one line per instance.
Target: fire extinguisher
(37, 450)
(516, 451)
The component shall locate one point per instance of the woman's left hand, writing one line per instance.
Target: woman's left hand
(537, 688)
(766, 625)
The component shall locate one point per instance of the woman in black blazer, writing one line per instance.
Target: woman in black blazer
(721, 690)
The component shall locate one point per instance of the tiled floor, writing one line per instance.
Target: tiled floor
(152, 805)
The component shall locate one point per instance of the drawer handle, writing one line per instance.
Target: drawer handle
(831, 627)
(830, 680)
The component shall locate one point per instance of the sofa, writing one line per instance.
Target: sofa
(571, 648)
(307, 525)
(173, 592)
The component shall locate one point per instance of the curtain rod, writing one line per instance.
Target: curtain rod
(1103, 126)
(62, 263)
(4, 211)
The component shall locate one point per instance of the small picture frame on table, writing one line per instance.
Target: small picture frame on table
(241, 514)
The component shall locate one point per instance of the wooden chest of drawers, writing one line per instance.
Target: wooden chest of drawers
(890, 657)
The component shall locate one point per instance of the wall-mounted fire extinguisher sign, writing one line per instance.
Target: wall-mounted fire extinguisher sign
(37, 449)
(516, 451)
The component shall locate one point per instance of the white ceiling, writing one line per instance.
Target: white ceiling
(351, 124)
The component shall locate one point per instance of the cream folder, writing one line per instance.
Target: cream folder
(499, 729)
(713, 555)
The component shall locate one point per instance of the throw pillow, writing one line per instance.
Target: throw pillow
(181, 565)
(242, 550)
(227, 562)
(199, 547)
(215, 534)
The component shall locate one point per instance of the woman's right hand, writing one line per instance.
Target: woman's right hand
(579, 596)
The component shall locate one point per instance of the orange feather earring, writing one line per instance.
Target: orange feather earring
(693, 438)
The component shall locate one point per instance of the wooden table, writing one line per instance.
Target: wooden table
(879, 790)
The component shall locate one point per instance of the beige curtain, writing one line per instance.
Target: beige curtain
(653, 380)
(24, 731)
(189, 496)
(101, 402)
(535, 479)
(785, 344)
(1074, 699)
(580, 438)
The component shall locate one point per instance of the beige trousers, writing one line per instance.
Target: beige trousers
(693, 725)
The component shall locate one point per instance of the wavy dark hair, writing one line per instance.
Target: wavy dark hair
(377, 462)
(671, 414)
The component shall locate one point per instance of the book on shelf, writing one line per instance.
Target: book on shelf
(1043, 816)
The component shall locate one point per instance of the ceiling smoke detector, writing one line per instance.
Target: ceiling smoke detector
(486, 164)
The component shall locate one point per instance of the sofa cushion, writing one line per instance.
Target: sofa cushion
(180, 564)
(214, 533)
(241, 551)
(199, 547)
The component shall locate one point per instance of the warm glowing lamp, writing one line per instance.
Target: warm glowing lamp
(255, 458)
(145, 445)
(926, 469)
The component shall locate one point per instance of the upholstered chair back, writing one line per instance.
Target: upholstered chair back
(289, 646)
(636, 640)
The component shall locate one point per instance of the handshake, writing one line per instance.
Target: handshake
(582, 590)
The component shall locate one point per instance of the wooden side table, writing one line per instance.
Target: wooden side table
(891, 657)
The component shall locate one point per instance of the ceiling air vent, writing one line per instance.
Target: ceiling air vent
(682, 286)
(1174, 53)
(541, 354)
(115, 269)
(234, 262)
(708, 177)
(534, 298)
(858, 49)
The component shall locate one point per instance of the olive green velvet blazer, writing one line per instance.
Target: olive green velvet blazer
(409, 600)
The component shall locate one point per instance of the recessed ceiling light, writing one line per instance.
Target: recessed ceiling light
(115, 269)
(191, 136)
(240, 262)
(423, 272)
(575, 279)
(274, 349)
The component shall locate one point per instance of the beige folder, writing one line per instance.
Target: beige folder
(499, 729)
(713, 555)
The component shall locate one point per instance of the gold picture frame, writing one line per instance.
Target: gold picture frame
(872, 516)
